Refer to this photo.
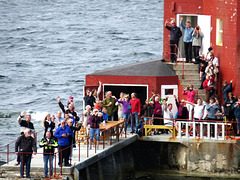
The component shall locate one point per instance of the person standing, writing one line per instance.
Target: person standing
(175, 34)
(135, 111)
(190, 98)
(89, 99)
(197, 42)
(126, 109)
(211, 114)
(226, 89)
(187, 39)
(48, 124)
(62, 133)
(48, 143)
(25, 124)
(157, 113)
(236, 107)
(109, 102)
(26, 145)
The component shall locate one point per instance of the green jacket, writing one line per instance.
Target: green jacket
(112, 108)
(47, 148)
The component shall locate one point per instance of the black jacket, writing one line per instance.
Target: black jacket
(25, 144)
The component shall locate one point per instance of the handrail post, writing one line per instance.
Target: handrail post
(79, 151)
(70, 153)
(95, 143)
(87, 147)
(61, 162)
(179, 129)
(50, 165)
(22, 164)
(104, 139)
(7, 153)
(55, 164)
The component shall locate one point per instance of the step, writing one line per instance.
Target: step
(192, 67)
(186, 82)
(186, 76)
(189, 72)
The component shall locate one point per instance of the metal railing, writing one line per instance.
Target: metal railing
(114, 131)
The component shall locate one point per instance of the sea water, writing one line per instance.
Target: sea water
(48, 46)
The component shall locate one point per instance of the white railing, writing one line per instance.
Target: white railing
(204, 130)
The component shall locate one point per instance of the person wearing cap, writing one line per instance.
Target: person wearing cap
(62, 133)
(190, 98)
(94, 121)
(25, 146)
(175, 34)
(48, 143)
(70, 100)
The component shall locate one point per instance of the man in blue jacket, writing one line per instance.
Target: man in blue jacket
(187, 39)
(62, 133)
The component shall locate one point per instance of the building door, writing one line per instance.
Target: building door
(204, 22)
(169, 91)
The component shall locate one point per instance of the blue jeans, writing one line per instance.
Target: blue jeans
(135, 117)
(26, 160)
(126, 117)
(46, 159)
(238, 123)
(94, 131)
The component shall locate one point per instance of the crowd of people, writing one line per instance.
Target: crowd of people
(59, 132)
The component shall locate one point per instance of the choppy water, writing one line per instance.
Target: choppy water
(48, 46)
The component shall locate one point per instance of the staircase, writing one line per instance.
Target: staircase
(191, 77)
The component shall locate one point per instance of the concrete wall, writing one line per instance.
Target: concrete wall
(155, 156)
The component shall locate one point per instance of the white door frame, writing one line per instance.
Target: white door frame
(171, 98)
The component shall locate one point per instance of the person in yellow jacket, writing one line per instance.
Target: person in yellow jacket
(48, 143)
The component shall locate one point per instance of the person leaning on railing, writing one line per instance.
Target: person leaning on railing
(211, 113)
(48, 143)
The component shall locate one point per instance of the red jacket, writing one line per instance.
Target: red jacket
(205, 84)
(136, 105)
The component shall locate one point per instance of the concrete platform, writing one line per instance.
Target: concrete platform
(37, 160)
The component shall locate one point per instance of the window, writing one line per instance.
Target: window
(219, 38)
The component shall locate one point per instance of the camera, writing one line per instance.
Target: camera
(197, 28)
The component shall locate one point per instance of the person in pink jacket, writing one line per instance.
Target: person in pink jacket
(190, 98)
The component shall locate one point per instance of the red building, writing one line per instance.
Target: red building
(142, 78)
(219, 20)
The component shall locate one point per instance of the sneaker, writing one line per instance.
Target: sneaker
(97, 148)
(90, 147)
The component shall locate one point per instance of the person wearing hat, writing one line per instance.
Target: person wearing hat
(190, 98)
